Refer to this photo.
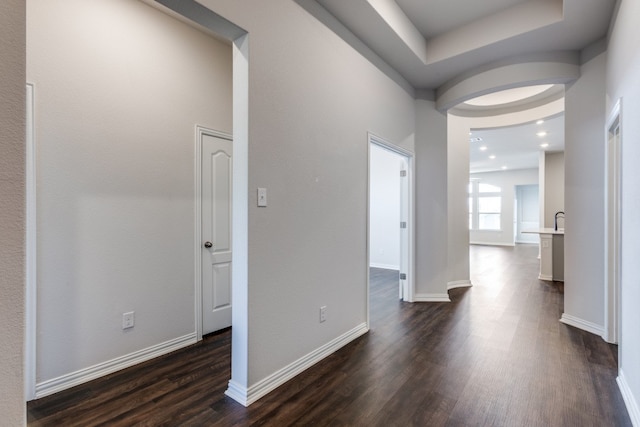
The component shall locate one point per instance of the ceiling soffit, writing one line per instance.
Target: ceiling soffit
(551, 68)
(430, 42)
(436, 17)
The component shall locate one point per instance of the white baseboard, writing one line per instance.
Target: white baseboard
(545, 277)
(492, 244)
(527, 242)
(459, 284)
(431, 298)
(81, 376)
(630, 402)
(246, 396)
(384, 266)
(582, 324)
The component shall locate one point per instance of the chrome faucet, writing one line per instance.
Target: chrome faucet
(555, 220)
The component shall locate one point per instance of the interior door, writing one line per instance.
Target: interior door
(216, 233)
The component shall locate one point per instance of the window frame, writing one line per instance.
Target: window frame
(473, 203)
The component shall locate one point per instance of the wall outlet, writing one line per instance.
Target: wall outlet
(323, 313)
(128, 320)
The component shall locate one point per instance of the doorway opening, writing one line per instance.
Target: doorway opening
(196, 13)
(390, 219)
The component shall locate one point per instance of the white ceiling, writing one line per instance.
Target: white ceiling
(431, 43)
(516, 147)
(435, 17)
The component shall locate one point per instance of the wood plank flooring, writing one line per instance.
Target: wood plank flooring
(495, 356)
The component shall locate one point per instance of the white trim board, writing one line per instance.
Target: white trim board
(492, 244)
(585, 325)
(613, 150)
(629, 400)
(81, 376)
(431, 298)
(384, 266)
(247, 396)
(31, 288)
(459, 284)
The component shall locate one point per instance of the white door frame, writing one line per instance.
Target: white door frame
(31, 288)
(200, 133)
(613, 223)
(376, 140)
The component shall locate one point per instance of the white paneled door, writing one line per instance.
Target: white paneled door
(216, 233)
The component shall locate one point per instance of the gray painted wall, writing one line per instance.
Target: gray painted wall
(584, 194)
(118, 94)
(312, 100)
(431, 200)
(622, 82)
(458, 211)
(12, 210)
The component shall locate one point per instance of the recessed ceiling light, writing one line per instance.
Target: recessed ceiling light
(504, 168)
(539, 122)
(541, 134)
(475, 139)
(483, 148)
(545, 145)
(493, 156)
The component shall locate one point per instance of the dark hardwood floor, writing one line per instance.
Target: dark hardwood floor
(495, 356)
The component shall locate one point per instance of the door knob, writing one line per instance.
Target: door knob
(208, 245)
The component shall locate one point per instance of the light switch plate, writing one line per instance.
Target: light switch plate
(262, 197)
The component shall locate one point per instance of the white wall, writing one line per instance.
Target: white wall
(384, 208)
(584, 197)
(312, 100)
(119, 90)
(431, 202)
(553, 188)
(12, 213)
(506, 180)
(623, 68)
(458, 207)
(527, 214)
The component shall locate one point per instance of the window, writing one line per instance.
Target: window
(485, 206)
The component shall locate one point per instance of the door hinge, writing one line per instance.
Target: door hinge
(403, 224)
(403, 276)
(403, 173)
